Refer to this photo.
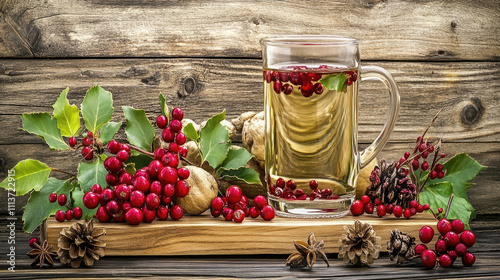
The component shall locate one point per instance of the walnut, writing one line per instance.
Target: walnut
(253, 137)
(241, 119)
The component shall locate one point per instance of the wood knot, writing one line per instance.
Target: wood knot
(373, 3)
(472, 112)
(152, 80)
(454, 24)
(189, 85)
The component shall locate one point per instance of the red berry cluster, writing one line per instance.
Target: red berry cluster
(234, 206)
(365, 204)
(69, 214)
(453, 242)
(88, 148)
(172, 131)
(288, 190)
(302, 76)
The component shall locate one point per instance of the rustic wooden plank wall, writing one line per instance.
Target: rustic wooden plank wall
(205, 56)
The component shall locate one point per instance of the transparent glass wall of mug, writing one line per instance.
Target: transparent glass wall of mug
(311, 107)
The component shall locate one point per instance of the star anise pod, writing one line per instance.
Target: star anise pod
(307, 253)
(42, 254)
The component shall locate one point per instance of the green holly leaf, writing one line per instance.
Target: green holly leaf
(108, 131)
(68, 117)
(190, 132)
(235, 159)
(130, 168)
(90, 174)
(77, 196)
(164, 107)
(214, 140)
(45, 127)
(39, 208)
(140, 132)
(97, 108)
(29, 175)
(247, 175)
(334, 82)
(438, 194)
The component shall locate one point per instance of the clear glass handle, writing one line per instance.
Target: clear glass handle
(380, 74)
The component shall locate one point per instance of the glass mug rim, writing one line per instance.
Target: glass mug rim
(308, 40)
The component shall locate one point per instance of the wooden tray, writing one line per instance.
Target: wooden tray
(205, 235)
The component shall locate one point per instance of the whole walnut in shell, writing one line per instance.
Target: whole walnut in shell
(203, 189)
(253, 137)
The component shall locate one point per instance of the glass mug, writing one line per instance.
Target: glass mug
(311, 121)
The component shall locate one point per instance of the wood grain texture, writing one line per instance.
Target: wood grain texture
(204, 87)
(389, 30)
(259, 266)
(201, 235)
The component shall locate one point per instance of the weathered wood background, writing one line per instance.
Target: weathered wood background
(205, 56)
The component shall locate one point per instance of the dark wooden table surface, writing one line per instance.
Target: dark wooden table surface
(486, 250)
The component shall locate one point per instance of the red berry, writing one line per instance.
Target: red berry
(87, 153)
(159, 153)
(439, 167)
(313, 184)
(407, 155)
(300, 192)
(389, 208)
(419, 249)
(69, 215)
(428, 259)
(180, 139)
(457, 226)
(90, 200)
(183, 173)
(307, 89)
(119, 217)
(413, 211)
(86, 141)
(149, 215)
(461, 249)
(453, 255)
(441, 246)
(102, 215)
(445, 260)
(407, 213)
(162, 212)
(444, 226)
(181, 188)
(377, 201)
(156, 188)
(107, 195)
(440, 175)
(176, 212)
(254, 212)
(126, 206)
(452, 239)
(267, 213)
(218, 203)
(278, 87)
(97, 189)
(468, 259)
(215, 213)
(60, 215)
(53, 197)
(152, 201)
(112, 179)
(33, 241)
(227, 213)
(397, 211)
(318, 88)
(426, 207)
(426, 234)
(413, 204)
(134, 216)
(233, 194)
(287, 89)
(122, 155)
(175, 125)
(381, 210)
(369, 208)
(113, 146)
(357, 208)
(168, 135)
(442, 155)
(280, 183)
(183, 151)
(72, 141)
(112, 207)
(154, 168)
(415, 164)
(137, 198)
(142, 184)
(177, 113)
(291, 184)
(174, 148)
(365, 199)
(161, 121)
(168, 190)
(425, 166)
(112, 164)
(244, 200)
(349, 81)
(468, 238)
(259, 202)
(77, 213)
(440, 210)
(238, 216)
(433, 174)
(420, 208)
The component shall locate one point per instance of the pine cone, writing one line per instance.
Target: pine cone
(80, 242)
(401, 246)
(391, 185)
(360, 245)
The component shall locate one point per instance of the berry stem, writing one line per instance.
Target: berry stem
(65, 172)
(187, 161)
(448, 206)
(141, 150)
(437, 146)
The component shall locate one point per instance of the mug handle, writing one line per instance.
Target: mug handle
(380, 74)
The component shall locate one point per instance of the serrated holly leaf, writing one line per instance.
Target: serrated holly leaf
(248, 175)
(214, 140)
(68, 117)
(438, 194)
(139, 160)
(29, 175)
(334, 82)
(92, 173)
(190, 132)
(97, 108)
(140, 132)
(165, 110)
(45, 127)
(39, 207)
(77, 196)
(235, 159)
(109, 130)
